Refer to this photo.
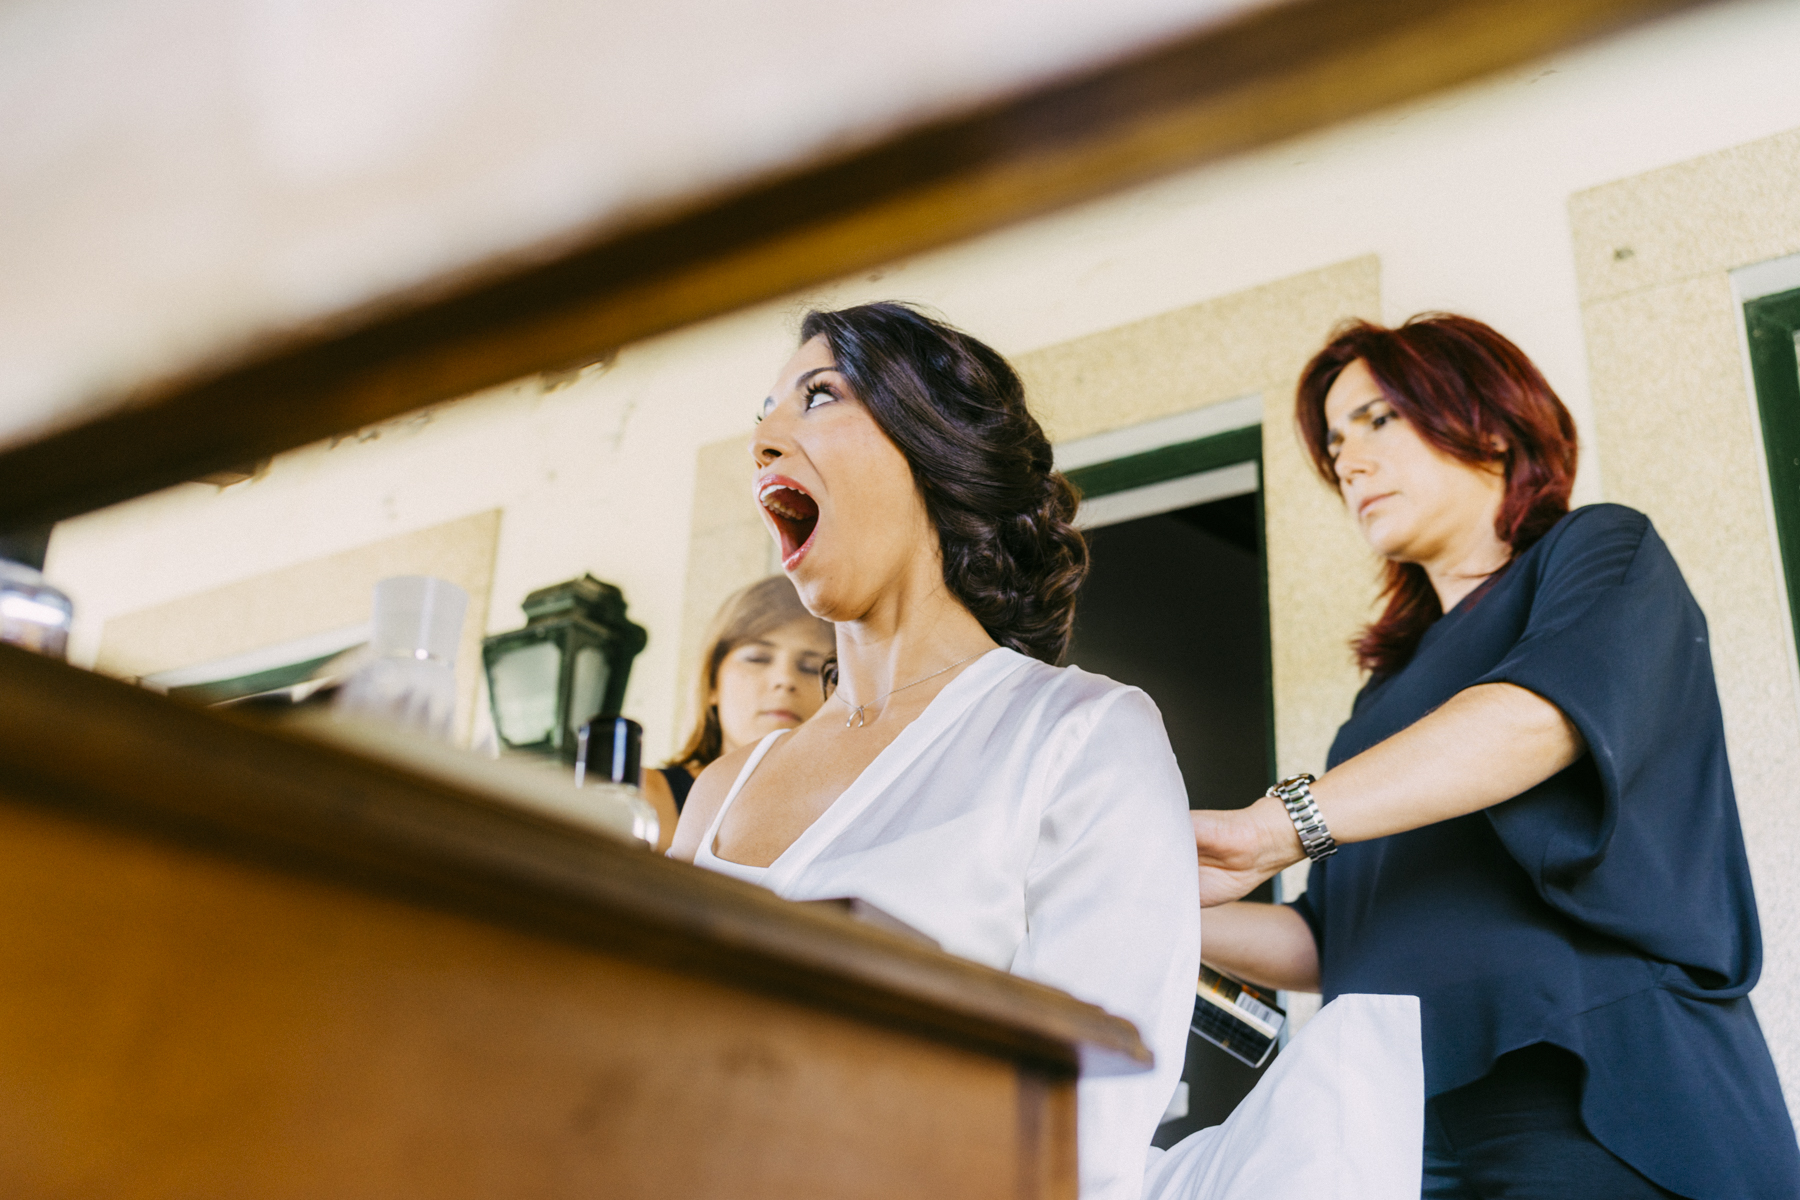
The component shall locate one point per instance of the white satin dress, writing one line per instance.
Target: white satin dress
(1032, 818)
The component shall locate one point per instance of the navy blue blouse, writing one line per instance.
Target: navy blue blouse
(1607, 910)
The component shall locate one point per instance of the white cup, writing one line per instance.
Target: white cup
(419, 617)
(410, 680)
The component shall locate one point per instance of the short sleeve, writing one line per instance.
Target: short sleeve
(1112, 917)
(1640, 839)
(1310, 904)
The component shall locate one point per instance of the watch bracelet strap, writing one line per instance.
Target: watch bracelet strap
(1295, 794)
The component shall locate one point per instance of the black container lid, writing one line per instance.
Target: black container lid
(609, 749)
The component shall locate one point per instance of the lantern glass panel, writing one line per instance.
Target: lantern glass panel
(524, 681)
(587, 686)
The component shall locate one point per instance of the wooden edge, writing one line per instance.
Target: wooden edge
(1047, 1124)
(1273, 72)
(100, 750)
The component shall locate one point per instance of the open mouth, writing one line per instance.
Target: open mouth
(795, 514)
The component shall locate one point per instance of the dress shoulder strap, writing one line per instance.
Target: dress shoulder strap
(737, 785)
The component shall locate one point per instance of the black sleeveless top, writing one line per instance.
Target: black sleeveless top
(1607, 910)
(680, 783)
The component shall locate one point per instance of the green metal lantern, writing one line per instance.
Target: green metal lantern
(567, 666)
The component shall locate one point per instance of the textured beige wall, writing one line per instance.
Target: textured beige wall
(1198, 355)
(728, 548)
(313, 597)
(1677, 437)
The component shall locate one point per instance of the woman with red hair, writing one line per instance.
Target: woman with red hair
(1528, 820)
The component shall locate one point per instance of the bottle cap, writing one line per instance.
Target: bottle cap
(609, 750)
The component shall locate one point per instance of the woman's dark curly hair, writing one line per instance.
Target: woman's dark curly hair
(956, 410)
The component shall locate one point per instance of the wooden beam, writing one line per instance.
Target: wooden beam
(1270, 74)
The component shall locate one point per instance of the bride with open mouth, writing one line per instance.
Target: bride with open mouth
(1027, 816)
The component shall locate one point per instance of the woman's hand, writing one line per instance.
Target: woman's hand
(1242, 847)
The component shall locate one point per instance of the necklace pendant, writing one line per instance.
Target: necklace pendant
(855, 720)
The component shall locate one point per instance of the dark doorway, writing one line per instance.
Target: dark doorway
(1174, 605)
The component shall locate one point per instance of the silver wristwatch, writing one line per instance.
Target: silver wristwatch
(1295, 794)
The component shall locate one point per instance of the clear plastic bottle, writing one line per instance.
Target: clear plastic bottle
(608, 760)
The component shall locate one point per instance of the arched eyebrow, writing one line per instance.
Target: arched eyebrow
(1353, 416)
(806, 377)
(1335, 437)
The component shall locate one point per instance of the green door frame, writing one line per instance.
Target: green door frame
(1178, 461)
(1164, 463)
(1772, 324)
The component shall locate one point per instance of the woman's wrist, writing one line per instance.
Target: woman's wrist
(1280, 842)
(1242, 848)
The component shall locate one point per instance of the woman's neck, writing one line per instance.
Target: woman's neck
(903, 639)
(1462, 569)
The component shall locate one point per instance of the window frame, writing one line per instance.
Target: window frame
(1771, 326)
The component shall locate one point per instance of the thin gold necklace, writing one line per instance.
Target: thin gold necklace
(856, 720)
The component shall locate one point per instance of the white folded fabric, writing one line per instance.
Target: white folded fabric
(1339, 1116)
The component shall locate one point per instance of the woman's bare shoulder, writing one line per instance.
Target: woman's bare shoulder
(704, 801)
(656, 790)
